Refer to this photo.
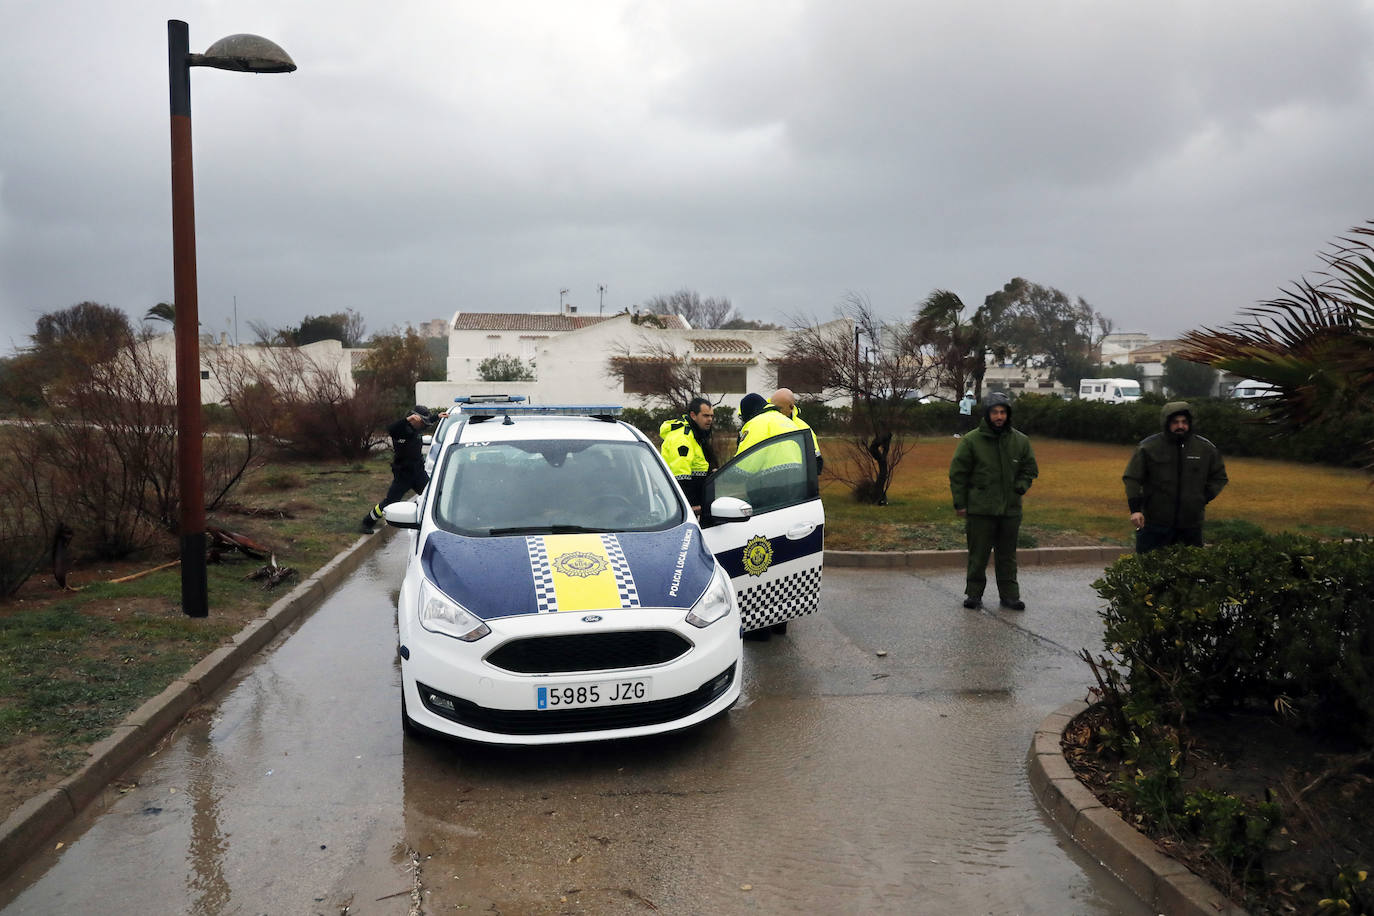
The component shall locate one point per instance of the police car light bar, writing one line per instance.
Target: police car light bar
(489, 399)
(549, 410)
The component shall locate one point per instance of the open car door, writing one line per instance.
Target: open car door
(761, 515)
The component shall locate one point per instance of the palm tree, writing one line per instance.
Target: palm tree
(1314, 343)
(959, 345)
(163, 311)
(962, 347)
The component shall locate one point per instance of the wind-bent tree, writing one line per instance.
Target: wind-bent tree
(1042, 324)
(1314, 343)
(163, 311)
(1186, 379)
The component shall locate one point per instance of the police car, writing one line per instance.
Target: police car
(455, 417)
(560, 589)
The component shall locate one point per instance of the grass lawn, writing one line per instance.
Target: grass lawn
(74, 664)
(1079, 500)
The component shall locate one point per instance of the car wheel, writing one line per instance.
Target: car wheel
(778, 629)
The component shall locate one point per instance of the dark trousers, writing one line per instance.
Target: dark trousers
(1153, 536)
(992, 535)
(403, 479)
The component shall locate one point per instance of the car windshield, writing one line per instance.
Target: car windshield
(1130, 391)
(493, 489)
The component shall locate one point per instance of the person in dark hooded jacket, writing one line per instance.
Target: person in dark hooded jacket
(1170, 479)
(992, 469)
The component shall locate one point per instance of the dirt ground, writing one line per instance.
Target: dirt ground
(1325, 792)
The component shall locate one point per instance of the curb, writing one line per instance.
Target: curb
(1165, 884)
(43, 815)
(958, 559)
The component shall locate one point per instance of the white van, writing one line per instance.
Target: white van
(1248, 392)
(1111, 390)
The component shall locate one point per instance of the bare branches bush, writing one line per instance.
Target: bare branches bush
(879, 379)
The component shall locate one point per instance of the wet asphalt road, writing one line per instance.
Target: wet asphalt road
(843, 782)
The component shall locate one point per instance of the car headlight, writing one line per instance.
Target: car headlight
(713, 604)
(441, 614)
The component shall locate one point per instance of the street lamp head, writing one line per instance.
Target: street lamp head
(245, 53)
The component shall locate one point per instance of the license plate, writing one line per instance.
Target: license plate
(603, 693)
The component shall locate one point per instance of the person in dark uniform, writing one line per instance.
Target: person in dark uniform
(1170, 479)
(407, 461)
(992, 469)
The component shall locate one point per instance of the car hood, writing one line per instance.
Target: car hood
(534, 574)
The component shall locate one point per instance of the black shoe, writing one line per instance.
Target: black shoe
(368, 524)
(1015, 604)
(973, 603)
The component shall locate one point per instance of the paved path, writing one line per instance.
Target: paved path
(846, 781)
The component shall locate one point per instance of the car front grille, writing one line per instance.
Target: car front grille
(590, 719)
(589, 652)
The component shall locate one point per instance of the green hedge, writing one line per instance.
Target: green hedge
(1236, 430)
(1283, 622)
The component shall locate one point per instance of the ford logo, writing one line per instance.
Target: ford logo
(591, 618)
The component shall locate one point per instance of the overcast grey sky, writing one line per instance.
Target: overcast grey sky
(1172, 162)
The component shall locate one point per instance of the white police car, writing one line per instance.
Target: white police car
(560, 589)
(454, 418)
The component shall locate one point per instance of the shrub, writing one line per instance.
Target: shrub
(1235, 429)
(1278, 620)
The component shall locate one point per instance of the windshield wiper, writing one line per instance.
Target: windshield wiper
(545, 529)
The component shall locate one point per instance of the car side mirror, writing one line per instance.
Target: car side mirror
(427, 439)
(731, 509)
(403, 514)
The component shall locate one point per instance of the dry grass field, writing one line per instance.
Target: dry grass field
(1079, 499)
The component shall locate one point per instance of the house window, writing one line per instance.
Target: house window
(529, 347)
(493, 344)
(724, 379)
(646, 376)
(205, 373)
(800, 376)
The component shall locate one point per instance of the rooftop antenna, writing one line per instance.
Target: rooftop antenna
(601, 291)
(561, 293)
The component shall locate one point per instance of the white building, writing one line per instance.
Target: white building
(571, 353)
(285, 366)
(1116, 348)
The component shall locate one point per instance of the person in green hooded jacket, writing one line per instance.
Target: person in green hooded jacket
(1170, 479)
(991, 470)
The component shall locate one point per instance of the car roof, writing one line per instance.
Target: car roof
(520, 428)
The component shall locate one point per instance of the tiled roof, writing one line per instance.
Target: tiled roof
(721, 345)
(523, 321)
(540, 321)
(742, 360)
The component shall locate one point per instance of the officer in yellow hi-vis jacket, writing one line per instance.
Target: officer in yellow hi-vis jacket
(761, 421)
(786, 403)
(687, 448)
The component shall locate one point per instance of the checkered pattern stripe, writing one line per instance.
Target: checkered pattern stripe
(781, 600)
(544, 597)
(624, 579)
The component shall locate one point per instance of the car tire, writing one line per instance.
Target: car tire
(778, 629)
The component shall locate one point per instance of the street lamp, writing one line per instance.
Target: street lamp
(249, 54)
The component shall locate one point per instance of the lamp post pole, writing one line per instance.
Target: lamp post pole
(247, 54)
(195, 600)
